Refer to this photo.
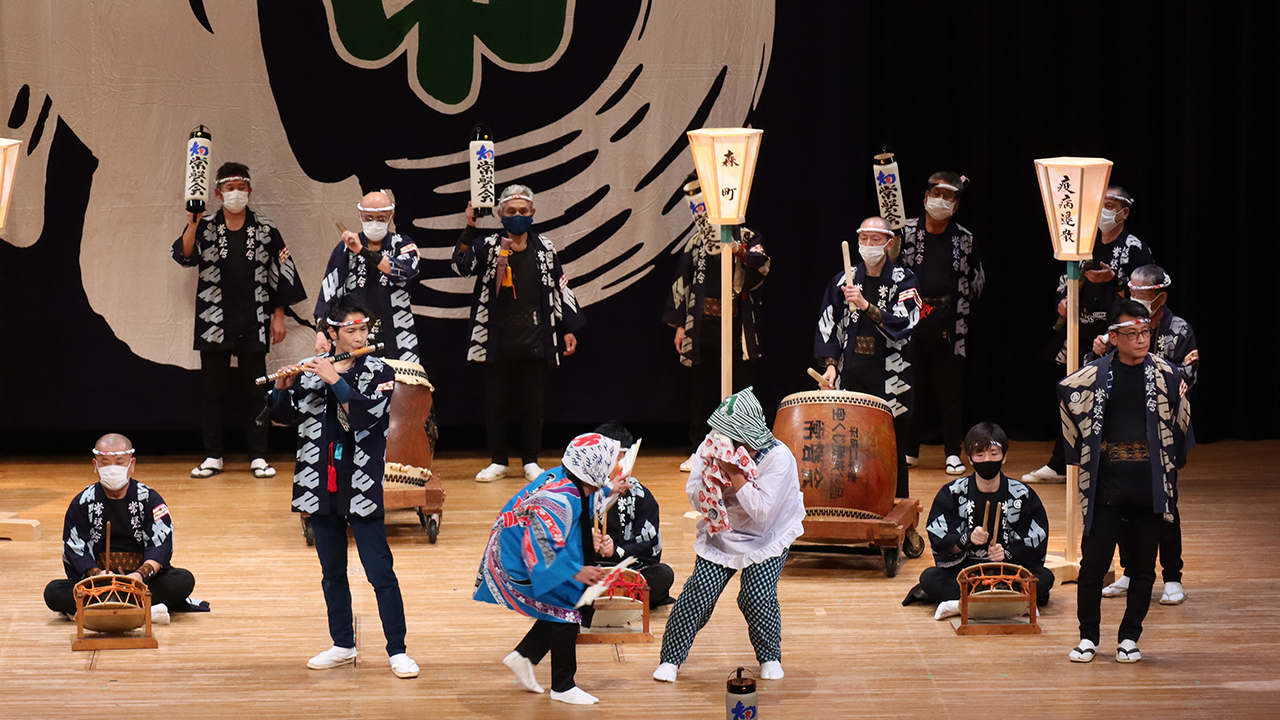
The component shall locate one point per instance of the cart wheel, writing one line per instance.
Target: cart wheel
(892, 560)
(433, 528)
(308, 533)
(914, 545)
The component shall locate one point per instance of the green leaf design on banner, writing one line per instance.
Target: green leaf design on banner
(446, 55)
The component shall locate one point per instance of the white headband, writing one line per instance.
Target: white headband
(348, 322)
(113, 453)
(952, 188)
(509, 198)
(229, 179)
(1163, 284)
(1125, 200)
(1138, 321)
(362, 208)
(882, 231)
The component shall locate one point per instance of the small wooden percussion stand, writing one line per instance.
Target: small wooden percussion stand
(620, 618)
(996, 595)
(111, 606)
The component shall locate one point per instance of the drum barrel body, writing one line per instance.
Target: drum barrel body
(408, 442)
(845, 450)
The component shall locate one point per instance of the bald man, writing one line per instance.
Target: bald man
(376, 265)
(865, 329)
(141, 535)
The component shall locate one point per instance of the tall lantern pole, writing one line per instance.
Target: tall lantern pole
(12, 526)
(1072, 189)
(725, 159)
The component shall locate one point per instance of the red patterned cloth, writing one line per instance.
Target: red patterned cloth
(710, 498)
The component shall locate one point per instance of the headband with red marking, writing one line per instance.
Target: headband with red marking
(882, 231)
(231, 178)
(509, 198)
(1166, 282)
(1127, 323)
(1128, 201)
(345, 323)
(362, 208)
(113, 453)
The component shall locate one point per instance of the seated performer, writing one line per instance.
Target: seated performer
(865, 347)
(750, 529)
(341, 412)
(633, 528)
(377, 267)
(1124, 423)
(1173, 339)
(141, 535)
(246, 280)
(537, 562)
(962, 519)
(523, 317)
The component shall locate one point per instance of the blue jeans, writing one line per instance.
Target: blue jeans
(375, 555)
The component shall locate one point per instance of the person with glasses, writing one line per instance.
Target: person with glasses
(948, 267)
(1125, 422)
(523, 319)
(1174, 340)
(1116, 254)
(864, 332)
(375, 265)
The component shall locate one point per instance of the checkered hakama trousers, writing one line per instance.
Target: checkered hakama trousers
(757, 599)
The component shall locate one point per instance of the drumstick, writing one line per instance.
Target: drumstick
(817, 376)
(341, 228)
(848, 268)
(995, 529)
(336, 358)
(106, 559)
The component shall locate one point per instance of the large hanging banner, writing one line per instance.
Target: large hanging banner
(324, 100)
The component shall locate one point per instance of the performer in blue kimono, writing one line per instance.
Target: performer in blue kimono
(948, 267)
(247, 279)
(538, 562)
(376, 266)
(523, 317)
(1174, 340)
(865, 349)
(141, 535)
(1124, 423)
(962, 538)
(342, 410)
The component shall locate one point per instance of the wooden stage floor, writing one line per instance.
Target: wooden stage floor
(849, 646)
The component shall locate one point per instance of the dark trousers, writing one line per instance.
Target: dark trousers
(170, 587)
(704, 380)
(519, 385)
(561, 640)
(1170, 548)
(1137, 531)
(660, 578)
(868, 378)
(939, 378)
(940, 583)
(375, 555)
(215, 365)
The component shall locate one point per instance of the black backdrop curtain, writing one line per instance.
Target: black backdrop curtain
(1173, 93)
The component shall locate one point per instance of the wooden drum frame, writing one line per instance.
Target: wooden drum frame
(112, 605)
(994, 592)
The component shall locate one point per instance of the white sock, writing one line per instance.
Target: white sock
(771, 670)
(522, 667)
(666, 672)
(946, 609)
(575, 696)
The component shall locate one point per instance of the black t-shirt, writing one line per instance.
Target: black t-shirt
(934, 274)
(515, 328)
(238, 285)
(116, 512)
(1125, 421)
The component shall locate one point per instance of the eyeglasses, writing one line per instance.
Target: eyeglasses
(943, 193)
(1133, 335)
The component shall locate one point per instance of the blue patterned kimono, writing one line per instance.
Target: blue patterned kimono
(535, 549)
(84, 534)
(386, 295)
(356, 439)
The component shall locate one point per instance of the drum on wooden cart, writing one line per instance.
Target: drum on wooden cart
(846, 453)
(410, 482)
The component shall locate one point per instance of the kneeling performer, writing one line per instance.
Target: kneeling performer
(342, 413)
(963, 525)
(141, 535)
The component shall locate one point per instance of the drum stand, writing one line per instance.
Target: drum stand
(614, 618)
(995, 595)
(115, 611)
(894, 535)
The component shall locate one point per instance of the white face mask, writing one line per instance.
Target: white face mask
(872, 254)
(938, 208)
(113, 477)
(374, 230)
(234, 201)
(1107, 221)
(1144, 303)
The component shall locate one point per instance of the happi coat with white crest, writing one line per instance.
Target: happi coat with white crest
(686, 301)
(84, 534)
(558, 311)
(1082, 400)
(839, 328)
(275, 282)
(361, 430)
(537, 543)
(966, 271)
(386, 295)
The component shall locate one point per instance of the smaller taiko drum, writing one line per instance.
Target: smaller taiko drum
(109, 603)
(411, 437)
(845, 450)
